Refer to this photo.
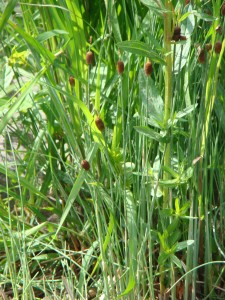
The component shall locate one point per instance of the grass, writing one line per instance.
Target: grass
(146, 221)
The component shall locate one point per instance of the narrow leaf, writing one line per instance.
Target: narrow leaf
(182, 245)
(176, 261)
(7, 12)
(15, 106)
(140, 48)
(149, 133)
(76, 187)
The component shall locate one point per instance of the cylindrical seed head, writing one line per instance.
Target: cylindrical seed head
(89, 57)
(92, 293)
(208, 47)
(183, 38)
(120, 66)
(99, 124)
(148, 68)
(219, 29)
(177, 30)
(72, 81)
(201, 57)
(218, 47)
(85, 165)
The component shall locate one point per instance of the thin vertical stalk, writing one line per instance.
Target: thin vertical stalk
(168, 104)
(168, 91)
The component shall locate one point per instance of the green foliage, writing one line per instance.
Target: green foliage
(148, 215)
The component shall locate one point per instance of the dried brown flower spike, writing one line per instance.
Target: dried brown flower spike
(72, 81)
(208, 47)
(99, 124)
(120, 66)
(218, 47)
(148, 68)
(89, 57)
(201, 56)
(219, 29)
(177, 30)
(176, 34)
(85, 165)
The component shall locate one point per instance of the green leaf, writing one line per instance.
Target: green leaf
(162, 239)
(34, 229)
(163, 257)
(185, 111)
(177, 206)
(49, 34)
(152, 134)
(181, 55)
(171, 183)
(182, 245)
(113, 19)
(76, 187)
(140, 48)
(173, 238)
(203, 16)
(106, 241)
(23, 182)
(187, 175)
(151, 100)
(156, 7)
(176, 261)
(132, 232)
(6, 74)
(185, 207)
(129, 288)
(33, 43)
(173, 227)
(46, 256)
(8, 11)
(26, 89)
(170, 171)
(86, 259)
(184, 16)
(167, 212)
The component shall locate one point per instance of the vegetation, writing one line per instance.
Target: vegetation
(112, 166)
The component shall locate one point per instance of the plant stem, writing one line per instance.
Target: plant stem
(168, 92)
(168, 103)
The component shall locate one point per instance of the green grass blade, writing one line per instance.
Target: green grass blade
(26, 89)
(76, 187)
(7, 13)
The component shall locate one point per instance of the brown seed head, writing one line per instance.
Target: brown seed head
(186, 2)
(183, 38)
(148, 68)
(219, 29)
(177, 31)
(72, 81)
(175, 38)
(92, 293)
(120, 66)
(201, 57)
(89, 57)
(99, 124)
(218, 47)
(85, 165)
(176, 34)
(223, 9)
(208, 47)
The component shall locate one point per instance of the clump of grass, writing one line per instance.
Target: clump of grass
(112, 182)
